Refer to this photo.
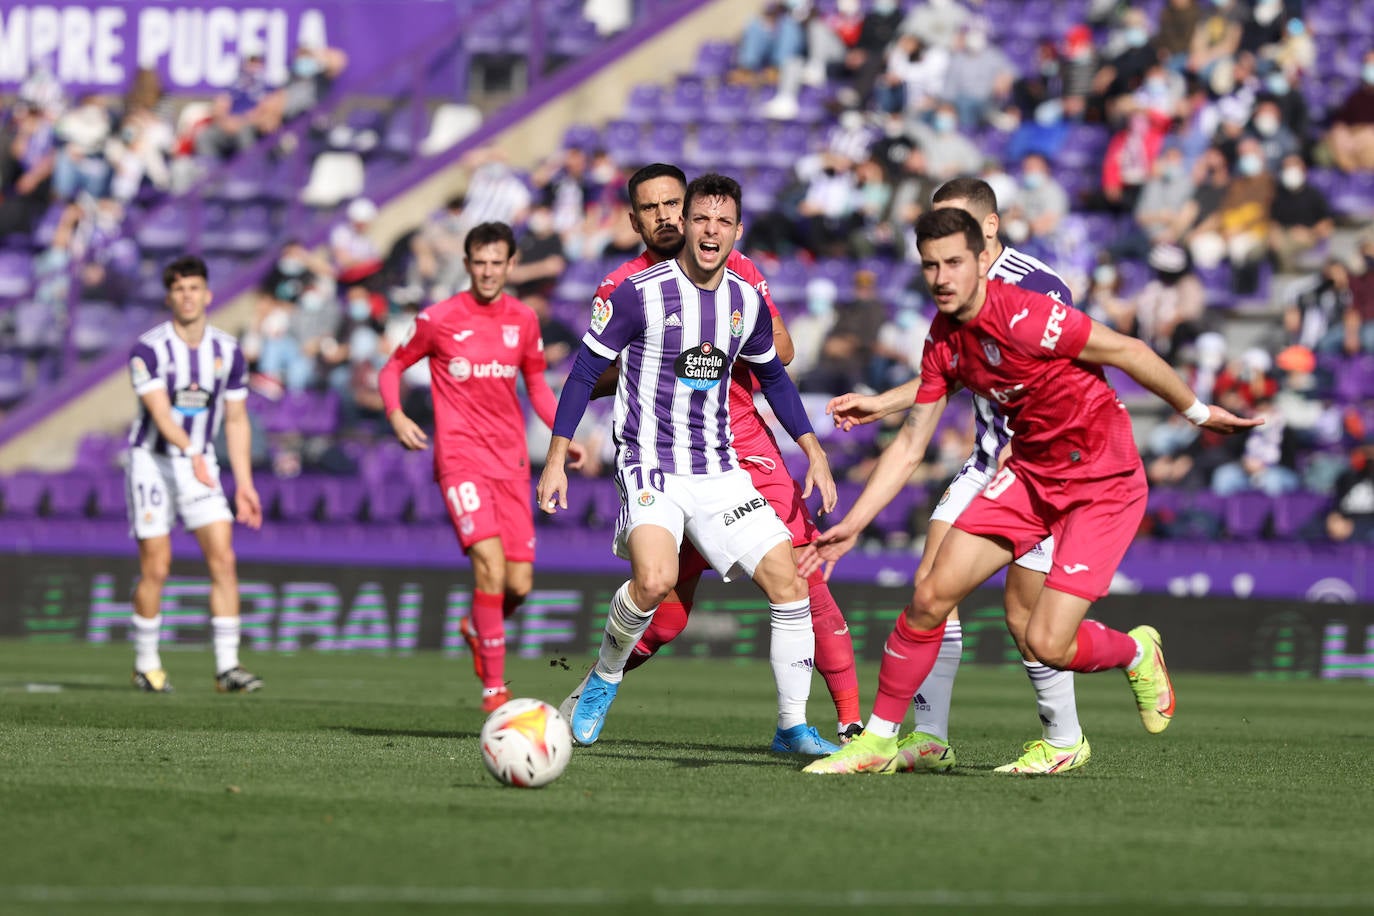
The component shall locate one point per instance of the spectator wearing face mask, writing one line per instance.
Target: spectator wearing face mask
(1316, 319)
(1161, 211)
(810, 328)
(1129, 159)
(947, 151)
(1239, 231)
(314, 68)
(1350, 142)
(979, 78)
(1292, 106)
(437, 251)
(937, 23)
(1129, 56)
(1169, 309)
(1263, 27)
(1302, 218)
(1351, 519)
(1264, 464)
(897, 354)
(1103, 300)
(1040, 203)
(1276, 140)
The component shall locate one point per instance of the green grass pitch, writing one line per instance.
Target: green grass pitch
(353, 784)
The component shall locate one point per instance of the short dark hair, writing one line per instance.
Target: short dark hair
(188, 265)
(652, 171)
(713, 185)
(489, 234)
(937, 224)
(976, 191)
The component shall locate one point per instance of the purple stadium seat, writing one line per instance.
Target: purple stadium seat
(603, 501)
(96, 326)
(685, 101)
(665, 142)
(787, 284)
(1355, 380)
(343, 499)
(388, 503)
(581, 136)
(69, 494)
(714, 59)
(12, 382)
(1246, 514)
(573, 39)
(644, 104)
(16, 274)
(709, 147)
(166, 230)
(23, 494)
(789, 143)
(320, 416)
(298, 498)
(749, 145)
(1294, 511)
(728, 103)
(427, 503)
(894, 521)
(109, 496)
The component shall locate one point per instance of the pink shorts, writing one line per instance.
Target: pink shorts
(483, 507)
(1093, 522)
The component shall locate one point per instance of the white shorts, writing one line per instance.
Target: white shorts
(732, 526)
(159, 489)
(967, 484)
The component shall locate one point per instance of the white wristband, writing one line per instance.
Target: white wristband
(190, 451)
(1197, 413)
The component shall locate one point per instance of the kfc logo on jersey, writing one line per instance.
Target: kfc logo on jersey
(991, 351)
(601, 314)
(510, 335)
(1052, 328)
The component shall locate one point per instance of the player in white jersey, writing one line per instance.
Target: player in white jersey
(189, 377)
(678, 327)
(1062, 746)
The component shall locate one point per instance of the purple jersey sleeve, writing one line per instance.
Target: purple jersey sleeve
(758, 346)
(236, 384)
(143, 370)
(616, 322)
(1047, 284)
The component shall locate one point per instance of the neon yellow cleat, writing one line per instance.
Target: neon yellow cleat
(1044, 759)
(1154, 693)
(919, 752)
(154, 681)
(865, 754)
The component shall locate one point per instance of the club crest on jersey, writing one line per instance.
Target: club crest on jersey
(138, 370)
(701, 367)
(510, 335)
(601, 314)
(646, 498)
(736, 324)
(991, 351)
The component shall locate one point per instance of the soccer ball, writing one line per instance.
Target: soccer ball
(526, 743)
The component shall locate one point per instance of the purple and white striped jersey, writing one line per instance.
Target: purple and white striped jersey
(198, 382)
(991, 433)
(679, 342)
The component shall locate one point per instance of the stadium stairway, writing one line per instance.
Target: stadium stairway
(44, 433)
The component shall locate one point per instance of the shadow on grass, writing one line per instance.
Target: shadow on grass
(707, 755)
(63, 686)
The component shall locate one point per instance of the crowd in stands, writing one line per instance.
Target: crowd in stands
(1179, 162)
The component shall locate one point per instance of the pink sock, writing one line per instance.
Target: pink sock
(908, 656)
(1101, 648)
(834, 650)
(491, 637)
(669, 620)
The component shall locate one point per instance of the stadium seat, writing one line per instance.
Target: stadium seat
(1294, 512)
(334, 178)
(1246, 515)
(23, 494)
(69, 494)
(451, 124)
(13, 382)
(16, 274)
(343, 499)
(298, 498)
(109, 500)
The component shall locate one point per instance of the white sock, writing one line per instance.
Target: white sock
(146, 633)
(1139, 655)
(882, 728)
(625, 624)
(1058, 708)
(792, 653)
(933, 698)
(226, 639)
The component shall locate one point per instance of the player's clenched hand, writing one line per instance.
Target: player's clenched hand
(1222, 420)
(577, 454)
(249, 506)
(851, 410)
(201, 469)
(408, 431)
(552, 492)
(819, 477)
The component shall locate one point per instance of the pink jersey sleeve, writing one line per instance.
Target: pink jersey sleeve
(935, 369)
(1052, 330)
(414, 348)
(532, 366)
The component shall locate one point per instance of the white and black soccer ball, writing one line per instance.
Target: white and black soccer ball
(526, 743)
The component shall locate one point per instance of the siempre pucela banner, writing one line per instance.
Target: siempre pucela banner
(196, 47)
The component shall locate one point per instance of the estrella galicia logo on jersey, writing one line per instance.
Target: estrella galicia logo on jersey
(646, 498)
(701, 367)
(991, 351)
(190, 401)
(510, 335)
(138, 371)
(460, 369)
(601, 314)
(736, 324)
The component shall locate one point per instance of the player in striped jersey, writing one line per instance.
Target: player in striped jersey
(656, 193)
(680, 325)
(1062, 746)
(189, 377)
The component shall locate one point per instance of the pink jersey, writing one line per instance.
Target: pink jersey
(475, 353)
(1020, 352)
(750, 434)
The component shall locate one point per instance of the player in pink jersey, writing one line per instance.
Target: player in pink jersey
(1074, 472)
(478, 343)
(656, 193)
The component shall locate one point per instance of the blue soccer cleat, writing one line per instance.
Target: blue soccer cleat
(590, 712)
(802, 739)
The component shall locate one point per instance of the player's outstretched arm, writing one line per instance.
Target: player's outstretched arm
(851, 410)
(238, 438)
(894, 468)
(1133, 356)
